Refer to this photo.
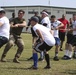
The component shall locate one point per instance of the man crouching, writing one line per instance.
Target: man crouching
(45, 43)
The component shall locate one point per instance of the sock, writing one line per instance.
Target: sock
(66, 52)
(70, 54)
(47, 59)
(56, 53)
(35, 59)
(42, 55)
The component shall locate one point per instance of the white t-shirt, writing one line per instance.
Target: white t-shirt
(47, 21)
(5, 28)
(48, 37)
(54, 25)
(74, 26)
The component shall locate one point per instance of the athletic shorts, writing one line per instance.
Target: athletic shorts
(3, 40)
(69, 38)
(42, 46)
(33, 33)
(62, 36)
(73, 40)
(57, 41)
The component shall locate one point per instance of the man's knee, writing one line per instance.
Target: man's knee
(10, 43)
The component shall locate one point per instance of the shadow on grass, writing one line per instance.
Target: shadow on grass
(14, 68)
(70, 72)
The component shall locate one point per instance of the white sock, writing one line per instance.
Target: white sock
(70, 54)
(66, 52)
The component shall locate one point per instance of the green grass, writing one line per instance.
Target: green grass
(61, 67)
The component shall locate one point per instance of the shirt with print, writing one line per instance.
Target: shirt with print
(54, 25)
(48, 37)
(17, 30)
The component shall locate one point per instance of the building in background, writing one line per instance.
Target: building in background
(29, 11)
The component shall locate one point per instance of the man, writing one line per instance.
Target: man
(45, 19)
(46, 42)
(45, 22)
(4, 28)
(13, 16)
(69, 38)
(17, 25)
(62, 32)
(34, 36)
(72, 42)
(56, 25)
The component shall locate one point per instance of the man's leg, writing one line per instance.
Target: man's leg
(74, 53)
(66, 51)
(70, 51)
(61, 45)
(56, 53)
(7, 47)
(47, 58)
(20, 45)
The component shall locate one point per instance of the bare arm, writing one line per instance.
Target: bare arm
(40, 34)
(18, 25)
(59, 26)
(22, 24)
(1, 24)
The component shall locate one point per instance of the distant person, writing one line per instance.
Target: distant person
(17, 25)
(45, 43)
(10, 20)
(45, 22)
(63, 31)
(34, 36)
(13, 16)
(55, 26)
(4, 28)
(69, 38)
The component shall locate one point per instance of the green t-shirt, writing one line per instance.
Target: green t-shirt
(17, 30)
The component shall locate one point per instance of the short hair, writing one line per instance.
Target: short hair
(53, 16)
(21, 11)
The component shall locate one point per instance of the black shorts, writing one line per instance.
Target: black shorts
(62, 36)
(3, 40)
(73, 40)
(69, 37)
(33, 33)
(42, 46)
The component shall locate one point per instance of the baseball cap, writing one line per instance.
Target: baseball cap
(34, 19)
(2, 10)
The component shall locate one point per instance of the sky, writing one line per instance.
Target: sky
(59, 3)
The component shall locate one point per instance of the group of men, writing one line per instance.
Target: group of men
(46, 33)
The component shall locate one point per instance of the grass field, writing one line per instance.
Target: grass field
(61, 67)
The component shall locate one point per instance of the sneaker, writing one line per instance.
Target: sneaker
(61, 49)
(67, 58)
(16, 60)
(64, 57)
(33, 67)
(3, 60)
(47, 67)
(56, 58)
(31, 58)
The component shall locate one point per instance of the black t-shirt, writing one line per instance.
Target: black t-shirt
(17, 30)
